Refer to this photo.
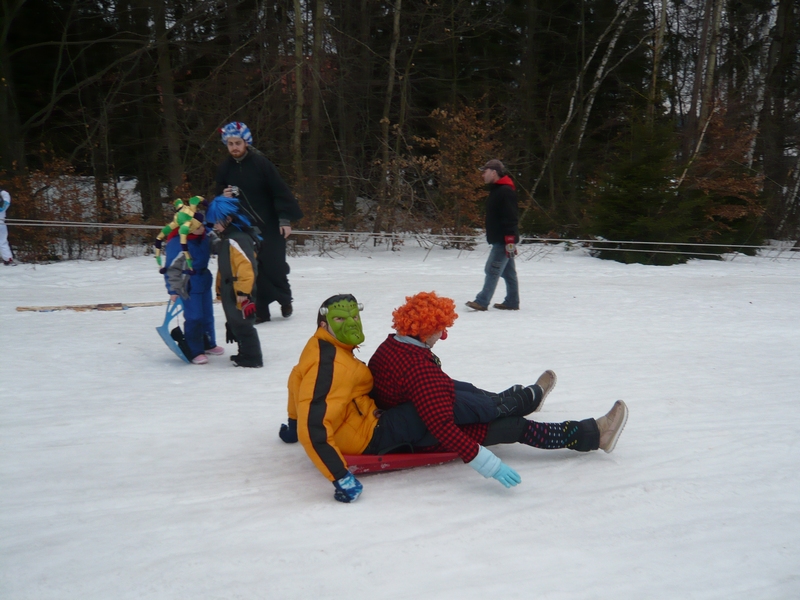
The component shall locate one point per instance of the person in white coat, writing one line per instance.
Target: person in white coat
(5, 249)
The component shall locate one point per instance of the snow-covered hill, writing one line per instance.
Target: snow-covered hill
(125, 473)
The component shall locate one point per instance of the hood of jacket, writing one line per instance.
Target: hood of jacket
(506, 180)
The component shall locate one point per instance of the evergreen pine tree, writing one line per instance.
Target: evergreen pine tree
(635, 198)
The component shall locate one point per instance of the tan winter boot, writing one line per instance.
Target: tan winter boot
(611, 425)
(547, 381)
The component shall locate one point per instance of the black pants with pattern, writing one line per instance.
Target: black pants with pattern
(582, 436)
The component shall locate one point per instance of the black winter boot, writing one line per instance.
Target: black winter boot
(240, 361)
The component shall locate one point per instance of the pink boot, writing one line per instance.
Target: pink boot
(200, 359)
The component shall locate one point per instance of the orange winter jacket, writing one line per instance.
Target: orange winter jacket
(328, 396)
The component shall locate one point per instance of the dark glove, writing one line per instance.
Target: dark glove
(348, 488)
(229, 337)
(288, 433)
(189, 272)
(157, 246)
(248, 308)
(162, 270)
(511, 247)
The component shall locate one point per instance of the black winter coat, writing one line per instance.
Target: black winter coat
(262, 192)
(502, 213)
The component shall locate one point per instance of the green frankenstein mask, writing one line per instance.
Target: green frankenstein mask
(345, 322)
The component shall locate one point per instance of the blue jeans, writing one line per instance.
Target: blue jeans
(499, 265)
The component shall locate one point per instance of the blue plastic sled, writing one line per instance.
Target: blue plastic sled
(173, 310)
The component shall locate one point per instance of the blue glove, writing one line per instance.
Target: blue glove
(507, 476)
(348, 488)
(288, 433)
(488, 465)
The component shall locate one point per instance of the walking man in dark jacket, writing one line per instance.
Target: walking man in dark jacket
(502, 232)
(264, 196)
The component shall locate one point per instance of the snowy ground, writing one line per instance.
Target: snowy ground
(125, 473)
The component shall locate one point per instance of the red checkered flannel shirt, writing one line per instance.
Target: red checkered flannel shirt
(407, 373)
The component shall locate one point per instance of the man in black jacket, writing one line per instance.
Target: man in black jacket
(246, 173)
(502, 232)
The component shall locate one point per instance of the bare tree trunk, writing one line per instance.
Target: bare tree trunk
(168, 103)
(676, 103)
(531, 121)
(599, 76)
(97, 139)
(759, 75)
(691, 117)
(99, 158)
(12, 153)
(792, 205)
(346, 138)
(144, 123)
(694, 153)
(658, 47)
(297, 156)
(312, 157)
(12, 147)
(354, 89)
(316, 90)
(573, 100)
(707, 99)
(400, 139)
(387, 105)
(775, 123)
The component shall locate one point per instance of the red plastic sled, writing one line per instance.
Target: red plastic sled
(372, 463)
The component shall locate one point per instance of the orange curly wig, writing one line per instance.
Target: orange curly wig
(423, 315)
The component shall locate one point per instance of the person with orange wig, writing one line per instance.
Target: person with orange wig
(426, 317)
(462, 417)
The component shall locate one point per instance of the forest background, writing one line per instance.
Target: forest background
(649, 120)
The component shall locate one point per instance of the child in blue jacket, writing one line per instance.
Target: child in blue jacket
(194, 287)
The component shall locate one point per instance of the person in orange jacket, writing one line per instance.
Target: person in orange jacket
(329, 407)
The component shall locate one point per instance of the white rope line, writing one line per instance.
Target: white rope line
(593, 244)
(37, 223)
